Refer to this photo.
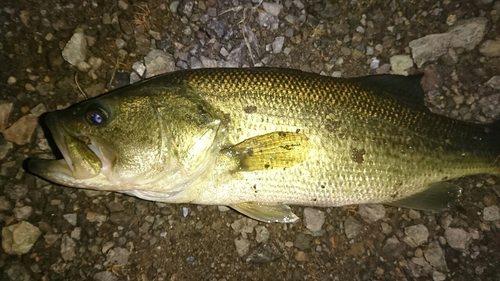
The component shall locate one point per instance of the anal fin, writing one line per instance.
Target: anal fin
(266, 212)
(435, 198)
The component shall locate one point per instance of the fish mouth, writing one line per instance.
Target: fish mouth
(80, 160)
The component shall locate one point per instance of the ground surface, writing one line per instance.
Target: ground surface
(109, 236)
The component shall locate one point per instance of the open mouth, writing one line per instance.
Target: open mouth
(78, 151)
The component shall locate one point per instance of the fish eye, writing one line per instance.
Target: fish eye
(96, 116)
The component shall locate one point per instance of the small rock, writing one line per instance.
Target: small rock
(22, 213)
(457, 238)
(5, 204)
(314, 219)
(278, 44)
(118, 256)
(400, 64)
(5, 110)
(71, 218)
(416, 235)
(76, 49)
(244, 225)
(302, 242)
(174, 6)
(352, 227)
(490, 48)
(371, 213)
(223, 208)
(122, 5)
(261, 234)
(15, 271)
(491, 213)
(105, 276)
(393, 247)
(301, 256)
(120, 43)
(68, 246)
(262, 253)
(242, 246)
(158, 62)
(38, 110)
(494, 82)
(435, 256)
(17, 239)
(438, 276)
(22, 130)
(11, 80)
(273, 9)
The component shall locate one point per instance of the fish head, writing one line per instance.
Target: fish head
(143, 139)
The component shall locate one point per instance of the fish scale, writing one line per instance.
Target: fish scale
(259, 139)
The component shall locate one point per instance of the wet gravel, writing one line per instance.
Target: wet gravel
(51, 232)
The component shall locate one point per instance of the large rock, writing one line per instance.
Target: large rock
(466, 34)
(76, 49)
(17, 239)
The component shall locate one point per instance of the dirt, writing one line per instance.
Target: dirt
(165, 243)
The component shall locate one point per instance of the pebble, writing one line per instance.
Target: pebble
(278, 44)
(244, 226)
(22, 130)
(434, 254)
(105, 276)
(222, 208)
(123, 5)
(457, 238)
(17, 239)
(438, 276)
(22, 213)
(5, 204)
(76, 49)
(38, 110)
(16, 271)
(273, 9)
(262, 253)
(302, 242)
(68, 246)
(400, 64)
(5, 110)
(120, 43)
(416, 235)
(11, 80)
(352, 227)
(371, 213)
(242, 246)
(71, 218)
(118, 256)
(494, 82)
(490, 48)
(300, 256)
(158, 62)
(261, 234)
(314, 219)
(393, 247)
(491, 213)
(51, 238)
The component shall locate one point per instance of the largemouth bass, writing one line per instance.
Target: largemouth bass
(261, 139)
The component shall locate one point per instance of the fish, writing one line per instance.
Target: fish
(261, 139)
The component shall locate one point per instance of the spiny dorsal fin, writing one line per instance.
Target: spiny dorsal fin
(270, 151)
(436, 198)
(406, 89)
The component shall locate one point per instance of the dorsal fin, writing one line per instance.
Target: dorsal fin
(406, 89)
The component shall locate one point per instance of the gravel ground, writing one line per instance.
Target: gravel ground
(51, 232)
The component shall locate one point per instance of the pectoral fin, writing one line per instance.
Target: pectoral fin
(270, 151)
(266, 212)
(435, 198)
